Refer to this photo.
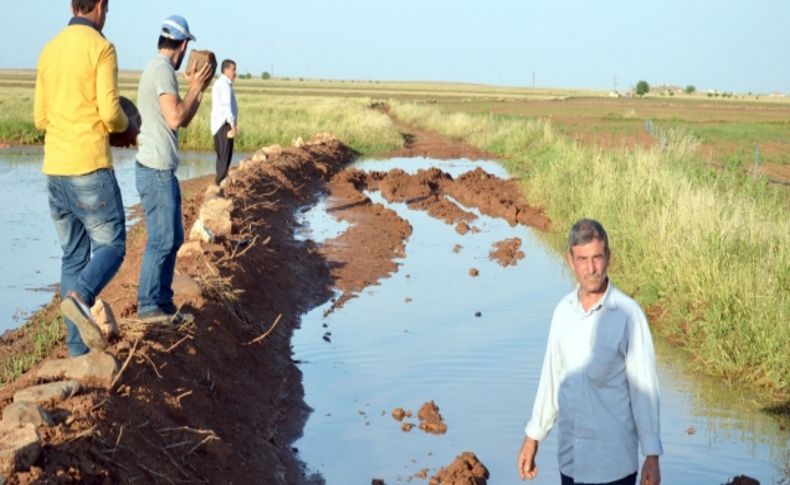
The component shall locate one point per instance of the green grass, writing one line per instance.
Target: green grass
(707, 249)
(36, 339)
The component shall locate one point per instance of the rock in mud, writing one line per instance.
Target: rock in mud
(53, 392)
(190, 249)
(103, 315)
(465, 470)
(215, 216)
(19, 414)
(93, 368)
(474, 272)
(430, 419)
(184, 285)
(200, 232)
(272, 150)
(19, 449)
(462, 228)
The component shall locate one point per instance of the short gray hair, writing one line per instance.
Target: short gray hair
(584, 231)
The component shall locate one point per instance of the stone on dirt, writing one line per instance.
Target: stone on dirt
(200, 232)
(103, 315)
(212, 191)
(272, 150)
(20, 413)
(53, 392)
(190, 249)
(298, 142)
(19, 449)
(215, 216)
(183, 285)
(259, 156)
(93, 368)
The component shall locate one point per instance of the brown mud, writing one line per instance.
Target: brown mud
(507, 252)
(220, 399)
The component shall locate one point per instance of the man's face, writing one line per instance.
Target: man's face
(230, 72)
(589, 262)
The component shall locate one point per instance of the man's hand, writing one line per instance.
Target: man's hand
(651, 475)
(199, 80)
(233, 132)
(526, 459)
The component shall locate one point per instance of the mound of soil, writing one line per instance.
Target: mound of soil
(466, 469)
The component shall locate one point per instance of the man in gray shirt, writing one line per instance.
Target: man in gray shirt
(163, 112)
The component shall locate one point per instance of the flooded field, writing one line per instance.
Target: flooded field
(454, 327)
(30, 263)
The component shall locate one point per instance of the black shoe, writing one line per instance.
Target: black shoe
(165, 315)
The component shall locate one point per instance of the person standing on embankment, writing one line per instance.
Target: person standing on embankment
(224, 117)
(599, 380)
(163, 112)
(77, 104)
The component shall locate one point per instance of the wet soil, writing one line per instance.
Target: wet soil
(466, 469)
(212, 401)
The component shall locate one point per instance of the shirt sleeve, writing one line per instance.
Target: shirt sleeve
(544, 411)
(40, 98)
(107, 95)
(165, 81)
(640, 368)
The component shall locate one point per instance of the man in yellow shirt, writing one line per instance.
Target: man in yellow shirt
(77, 104)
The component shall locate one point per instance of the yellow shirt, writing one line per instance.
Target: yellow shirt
(76, 100)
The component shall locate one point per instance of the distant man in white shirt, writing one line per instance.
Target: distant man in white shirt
(599, 379)
(224, 117)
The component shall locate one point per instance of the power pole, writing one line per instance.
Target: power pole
(615, 84)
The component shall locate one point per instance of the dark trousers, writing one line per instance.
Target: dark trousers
(224, 147)
(629, 480)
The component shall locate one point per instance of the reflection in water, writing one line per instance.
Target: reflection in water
(31, 263)
(385, 352)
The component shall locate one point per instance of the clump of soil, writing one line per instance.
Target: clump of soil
(457, 248)
(399, 413)
(462, 228)
(430, 419)
(507, 252)
(465, 470)
(474, 272)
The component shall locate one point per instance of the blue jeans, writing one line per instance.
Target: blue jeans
(88, 214)
(160, 197)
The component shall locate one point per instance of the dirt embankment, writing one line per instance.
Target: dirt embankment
(198, 403)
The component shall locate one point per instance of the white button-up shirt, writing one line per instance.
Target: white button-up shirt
(224, 108)
(599, 383)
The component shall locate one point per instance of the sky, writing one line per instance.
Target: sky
(730, 45)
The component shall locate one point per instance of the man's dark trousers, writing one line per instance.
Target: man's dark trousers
(224, 148)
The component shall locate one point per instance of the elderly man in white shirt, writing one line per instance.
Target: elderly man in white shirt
(599, 379)
(224, 117)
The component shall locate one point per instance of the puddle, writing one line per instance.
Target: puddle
(415, 337)
(31, 256)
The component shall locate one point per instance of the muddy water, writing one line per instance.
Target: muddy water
(30, 256)
(415, 337)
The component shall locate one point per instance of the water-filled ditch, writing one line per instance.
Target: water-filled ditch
(30, 260)
(474, 345)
